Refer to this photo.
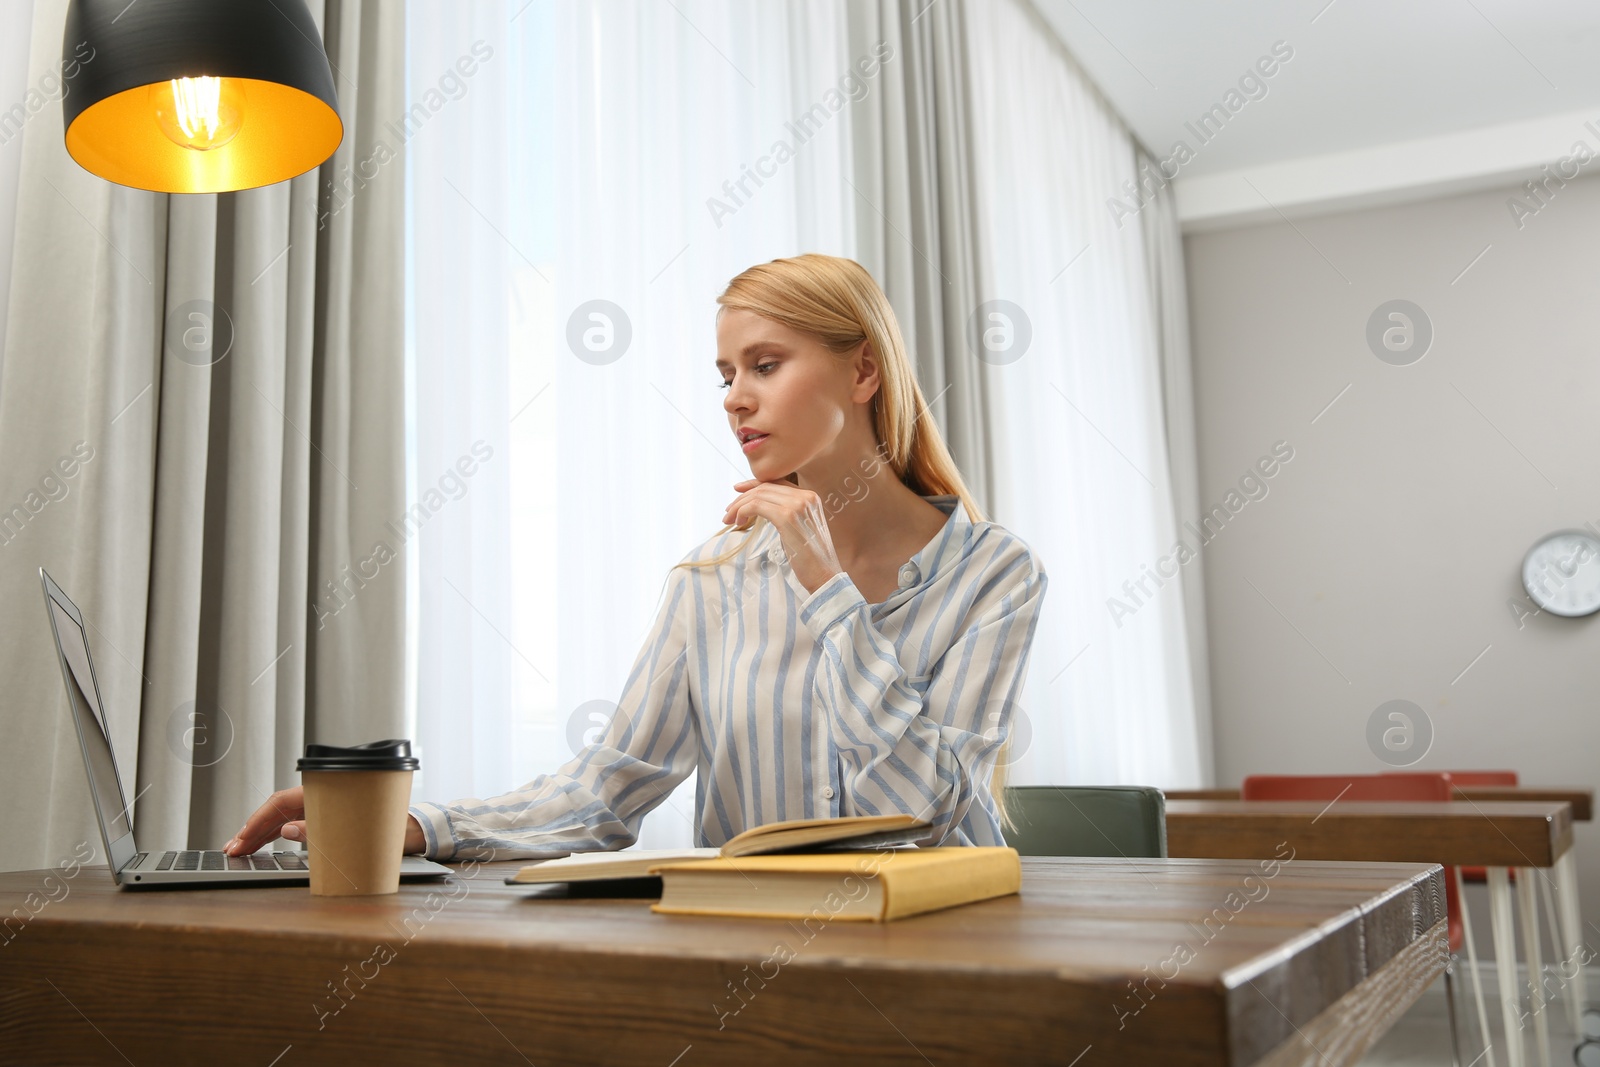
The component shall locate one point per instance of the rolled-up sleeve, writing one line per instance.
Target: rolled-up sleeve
(927, 745)
(599, 798)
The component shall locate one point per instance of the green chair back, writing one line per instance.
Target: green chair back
(1061, 820)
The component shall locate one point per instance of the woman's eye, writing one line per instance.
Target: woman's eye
(726, 382)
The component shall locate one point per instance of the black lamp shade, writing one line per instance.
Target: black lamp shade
(272, 65)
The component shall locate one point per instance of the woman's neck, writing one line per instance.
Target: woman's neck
(865, 512)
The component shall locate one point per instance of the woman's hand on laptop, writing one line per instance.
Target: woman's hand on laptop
(284, 815)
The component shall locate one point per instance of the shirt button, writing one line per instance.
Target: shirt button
(909, 575)
(775, 554)
(827, 793)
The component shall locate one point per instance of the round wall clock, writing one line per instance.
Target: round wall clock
(1562, 573)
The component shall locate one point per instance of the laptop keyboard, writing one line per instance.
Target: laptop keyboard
(217, 860)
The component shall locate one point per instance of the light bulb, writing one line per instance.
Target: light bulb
(199, 113)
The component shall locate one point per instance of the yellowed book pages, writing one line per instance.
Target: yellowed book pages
(870, 887)
(856, 831)
(811, 833)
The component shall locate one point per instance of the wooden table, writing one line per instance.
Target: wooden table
(1083, 967)
(1580, 797)
(1469, 833)
(1533, 836)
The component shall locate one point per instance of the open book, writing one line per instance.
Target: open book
(793, 835)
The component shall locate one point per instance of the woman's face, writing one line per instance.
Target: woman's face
(810, 402)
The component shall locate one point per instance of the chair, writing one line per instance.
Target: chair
(1060, 820)
(1394, 786)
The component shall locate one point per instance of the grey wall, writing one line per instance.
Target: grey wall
(1384, 556)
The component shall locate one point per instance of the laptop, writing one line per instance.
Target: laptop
(129, 866)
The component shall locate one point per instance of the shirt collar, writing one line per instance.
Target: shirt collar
(949, 543)
(936, 556)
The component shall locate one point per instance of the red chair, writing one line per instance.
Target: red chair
(1395, 786)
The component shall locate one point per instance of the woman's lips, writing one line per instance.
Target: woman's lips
(755, 442)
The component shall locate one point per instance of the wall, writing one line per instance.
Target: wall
(1383, 560)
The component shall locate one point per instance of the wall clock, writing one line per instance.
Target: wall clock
(1562, 573)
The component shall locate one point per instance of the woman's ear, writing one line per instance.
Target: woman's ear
(869, 379)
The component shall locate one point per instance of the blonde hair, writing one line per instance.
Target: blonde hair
(837, 301)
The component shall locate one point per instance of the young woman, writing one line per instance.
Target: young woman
(857, 651)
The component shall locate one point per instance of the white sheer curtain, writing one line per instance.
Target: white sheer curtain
(1080, 448)
(577, 165)
(463, 276)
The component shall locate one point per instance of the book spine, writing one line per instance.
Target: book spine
(979, 874)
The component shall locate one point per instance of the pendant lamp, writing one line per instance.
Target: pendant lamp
(197, 96)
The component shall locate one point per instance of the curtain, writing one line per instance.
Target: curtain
(599, 179)
(1084, 442)
(916, 233)
(1163, 240)
(468, 281)
(228, 369)
(578, 201)
(16, 21)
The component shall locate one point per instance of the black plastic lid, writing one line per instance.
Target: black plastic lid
(391, 755)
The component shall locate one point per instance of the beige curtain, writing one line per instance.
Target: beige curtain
(229, 370)
(912, 180)
(1163, 245)
(981, 166)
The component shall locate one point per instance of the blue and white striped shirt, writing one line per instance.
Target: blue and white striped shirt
(793, 704)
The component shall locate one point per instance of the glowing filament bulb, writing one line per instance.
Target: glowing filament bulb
(198, 100)
(199, 113)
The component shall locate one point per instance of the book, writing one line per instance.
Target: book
(868, 888)
(851, 832)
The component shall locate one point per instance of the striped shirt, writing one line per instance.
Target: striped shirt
(793, 704)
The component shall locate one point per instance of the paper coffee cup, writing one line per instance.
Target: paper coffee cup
(356, 803)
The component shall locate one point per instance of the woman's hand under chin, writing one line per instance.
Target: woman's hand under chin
(801, 521)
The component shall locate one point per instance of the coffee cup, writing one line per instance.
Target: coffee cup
(356, 803)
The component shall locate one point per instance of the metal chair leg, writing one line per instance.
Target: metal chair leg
(1503, 926)
(1487, 1055)
(1450, 1006)
(1528, 907)
(1572, 942)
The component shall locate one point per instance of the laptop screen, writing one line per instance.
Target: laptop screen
(74, 647)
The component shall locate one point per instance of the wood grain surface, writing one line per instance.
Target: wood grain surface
(1097, 962)
(1580, 797)
(1469, 832)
